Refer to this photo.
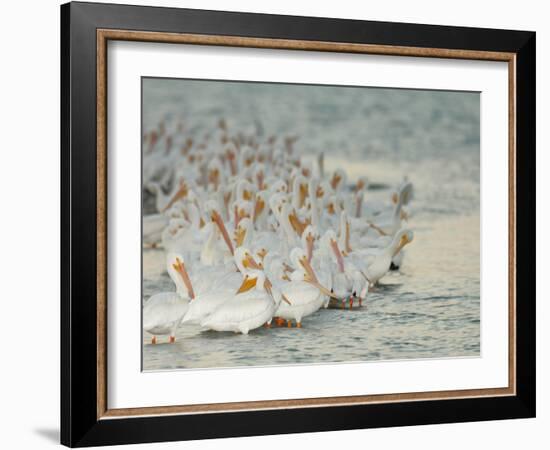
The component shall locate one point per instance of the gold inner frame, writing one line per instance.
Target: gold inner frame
(104, 35)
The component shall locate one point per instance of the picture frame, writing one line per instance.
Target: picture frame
(86, 418)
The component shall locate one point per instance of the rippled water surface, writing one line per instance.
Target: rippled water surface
(431, 307)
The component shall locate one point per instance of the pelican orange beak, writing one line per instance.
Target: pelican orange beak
(247, 195)
(312, 278)
(394, 198)
(239, 235)
(179, 266)
(303, 191)
(309, 244)
(336, 178)
(298, 226)
(402, 242)
(320, 192)
(358, 206)
(226, 199)
(262, 253)
(216, 218)
(236, 218)
(241, 213)
(181, 193)
(260, 177)
(248, 284)
(232, 162)
(250, 263)
(213, 177)
(348, 248)
(338, 254)
(258, 208)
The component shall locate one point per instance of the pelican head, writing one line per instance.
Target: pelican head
(262, 253)
(215, 171)
(180, 193)
(300, 191)
(338, 179)
(250, 281)
(245, 260)
(260, 205)
(177, 271)
(247, 156)
(299, 259)
(244, 190)
(215, 216)
(242, 209)
(276, 202)
(279, 187)
(362, 184)
(242, 231)
(330, 242)
(313, 186)
(308, 239)
(402, 238)
(406, 191)
(333, 205)
(259, 175)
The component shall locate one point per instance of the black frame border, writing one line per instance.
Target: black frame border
(79, 423)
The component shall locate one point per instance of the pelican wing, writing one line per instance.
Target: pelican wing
(240, 308)
(163, 309)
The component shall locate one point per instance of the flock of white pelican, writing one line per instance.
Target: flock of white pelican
(255, 235)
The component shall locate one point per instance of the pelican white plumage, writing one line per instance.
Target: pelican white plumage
(251, 307)
(219, 290)
(242, 203)
(163, 312)
(304, 292)
(374, 265)
(347, 281)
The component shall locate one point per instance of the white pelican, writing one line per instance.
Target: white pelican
(304, 292)
(163, 312)
(347, 281)
(375, 266)
(251, 307)
(219, 290)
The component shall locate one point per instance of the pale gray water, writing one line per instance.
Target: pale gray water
(431, 309)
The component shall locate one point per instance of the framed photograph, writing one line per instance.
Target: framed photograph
(277, 224)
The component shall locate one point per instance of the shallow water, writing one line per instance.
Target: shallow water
(431, 307)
